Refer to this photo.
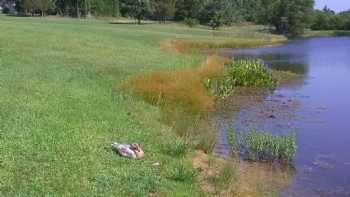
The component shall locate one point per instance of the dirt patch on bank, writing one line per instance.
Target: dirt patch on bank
(245, 178)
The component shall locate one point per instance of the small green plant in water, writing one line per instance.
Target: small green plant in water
(244, 72)
(264, 146)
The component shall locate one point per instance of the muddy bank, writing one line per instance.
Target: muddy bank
(222, 176)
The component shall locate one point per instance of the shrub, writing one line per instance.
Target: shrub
(5, 10)
(217, 20)
(191, 22)
(263, 146)
(249, 73)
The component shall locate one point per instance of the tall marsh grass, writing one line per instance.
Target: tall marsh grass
(177, 148)
(263, 146)
(182, 173)
(181, 45)
(183, 99)
(248, 73)
(231, 43)
(180, 88)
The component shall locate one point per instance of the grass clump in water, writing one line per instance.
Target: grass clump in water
(250, 73)
(247, 73)
(264, 146)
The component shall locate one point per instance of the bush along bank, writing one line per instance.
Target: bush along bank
(247, 73)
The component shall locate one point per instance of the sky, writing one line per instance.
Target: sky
(336, 5)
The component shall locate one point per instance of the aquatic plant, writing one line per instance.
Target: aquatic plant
(250, 73)
(244, 72)
(264, 146)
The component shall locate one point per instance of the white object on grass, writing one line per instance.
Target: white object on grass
(128, 150)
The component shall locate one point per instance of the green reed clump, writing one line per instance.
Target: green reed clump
(177, 148)
(182, 173)
(264, 146)
(243, 72)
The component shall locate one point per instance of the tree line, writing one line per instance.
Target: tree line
(327, 19)
(289, 17)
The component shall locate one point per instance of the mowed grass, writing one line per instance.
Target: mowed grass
(61, 107)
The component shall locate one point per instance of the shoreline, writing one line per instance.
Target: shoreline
(176, 46)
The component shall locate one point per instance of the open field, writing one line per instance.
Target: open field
(61, 106)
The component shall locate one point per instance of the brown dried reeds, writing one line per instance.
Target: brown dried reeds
(180, 88)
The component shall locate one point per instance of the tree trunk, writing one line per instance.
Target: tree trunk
(139, 20)
(78, 11)
(113, 11)
(86, 9)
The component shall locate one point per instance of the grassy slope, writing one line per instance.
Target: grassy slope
(60, 107)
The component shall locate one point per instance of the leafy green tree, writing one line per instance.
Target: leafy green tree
(25, 6)
(217, 20)
(264, 13)
(30, 7)
(291, 17)
(213, 14)
(137, 9)
(44, 5)
(103, 7)
(345, 17)
(327, 19)
(188, 9)
(163, 10)
(232, 12)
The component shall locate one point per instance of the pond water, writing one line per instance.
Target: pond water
(317, 107)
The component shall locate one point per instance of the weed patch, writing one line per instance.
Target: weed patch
(182, 174)
(263, 146)
(177, 148)
(241, 73)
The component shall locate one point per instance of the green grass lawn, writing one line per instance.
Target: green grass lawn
(60, 106)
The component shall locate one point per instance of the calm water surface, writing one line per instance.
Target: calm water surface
(321, 115)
